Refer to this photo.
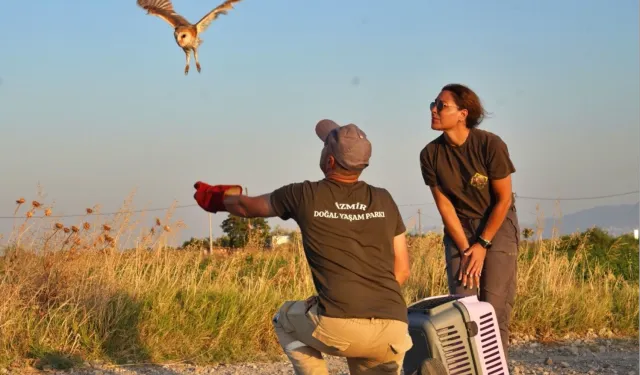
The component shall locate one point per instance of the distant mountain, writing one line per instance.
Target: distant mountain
(616, 220)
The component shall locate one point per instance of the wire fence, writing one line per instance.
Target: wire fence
(399, 205)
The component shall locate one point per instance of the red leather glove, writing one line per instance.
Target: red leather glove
(211, 198)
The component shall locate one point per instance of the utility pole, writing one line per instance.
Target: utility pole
(246, 192)
(420, 222)
(210, 235)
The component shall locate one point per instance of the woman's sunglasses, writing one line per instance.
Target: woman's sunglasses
(439, 105)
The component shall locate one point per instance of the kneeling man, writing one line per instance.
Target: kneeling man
(354, 241)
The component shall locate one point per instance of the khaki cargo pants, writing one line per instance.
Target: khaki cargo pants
(371, 346)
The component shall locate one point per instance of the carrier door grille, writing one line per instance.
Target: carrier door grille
(490, 345)
(455, 351)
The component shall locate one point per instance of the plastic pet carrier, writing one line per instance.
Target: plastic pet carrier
(454, 335)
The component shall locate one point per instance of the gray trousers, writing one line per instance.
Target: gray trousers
(499, 272)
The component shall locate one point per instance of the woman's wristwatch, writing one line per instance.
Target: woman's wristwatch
(484, 243)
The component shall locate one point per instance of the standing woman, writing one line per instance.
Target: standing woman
(469, 173)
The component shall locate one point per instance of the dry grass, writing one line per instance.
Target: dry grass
(70, 292)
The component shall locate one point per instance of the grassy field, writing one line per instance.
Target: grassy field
(70, 292)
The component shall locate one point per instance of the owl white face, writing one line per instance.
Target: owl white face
(183, 37)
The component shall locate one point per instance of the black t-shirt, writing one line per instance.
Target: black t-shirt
(347, 234)
(463, 173)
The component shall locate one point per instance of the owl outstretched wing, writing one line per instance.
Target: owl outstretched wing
(163, 9)
(204, 23)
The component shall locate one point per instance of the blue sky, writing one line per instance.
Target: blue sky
(94, 102)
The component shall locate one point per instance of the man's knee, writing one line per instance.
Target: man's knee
(284, 328)
(290, 331)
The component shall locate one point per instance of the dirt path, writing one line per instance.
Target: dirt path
(599, 356)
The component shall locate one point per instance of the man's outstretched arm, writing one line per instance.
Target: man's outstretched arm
(282, 202)
(246, 206)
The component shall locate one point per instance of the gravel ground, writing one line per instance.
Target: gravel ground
(573, 357)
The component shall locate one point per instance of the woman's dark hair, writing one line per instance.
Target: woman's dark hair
(465, 98)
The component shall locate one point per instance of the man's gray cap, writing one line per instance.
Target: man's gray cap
(348, 144)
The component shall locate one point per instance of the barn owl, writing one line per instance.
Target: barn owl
(187, 35)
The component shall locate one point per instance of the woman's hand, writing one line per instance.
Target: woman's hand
(471, 265)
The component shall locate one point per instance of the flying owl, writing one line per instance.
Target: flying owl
(187, 35)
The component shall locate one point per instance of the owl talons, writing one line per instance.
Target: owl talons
(186, 70)
(198, 67)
